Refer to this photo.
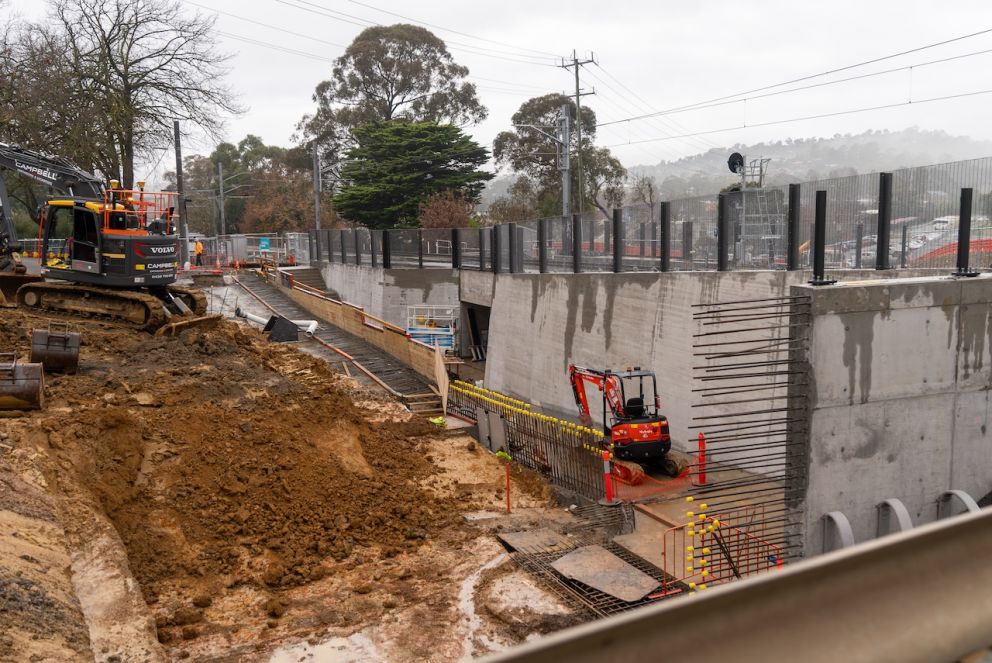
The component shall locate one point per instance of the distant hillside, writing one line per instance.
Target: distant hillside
(803, 159)
(814, 158)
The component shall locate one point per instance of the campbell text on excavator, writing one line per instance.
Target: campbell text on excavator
(107, 252)
(635, 429)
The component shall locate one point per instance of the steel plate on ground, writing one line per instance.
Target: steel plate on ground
(600, 569)
(535, 541)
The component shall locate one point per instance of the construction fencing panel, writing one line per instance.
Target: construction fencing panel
(566, 454)
(641, 239)
(469, 241)
(404, 247)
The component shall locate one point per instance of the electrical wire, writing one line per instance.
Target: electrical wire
(457, 32)
(264, 25)
(277, 47)
(320, 10)
(852, 111)
(645, 106)
(910, 67)
(694, 106)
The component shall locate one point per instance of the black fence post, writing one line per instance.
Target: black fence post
(820, 241)
(542, 248)
(642, 237)
(511, 231)
(665, 220)
(456, 248)
(344, 251)
(497, 258)
(618, 242)
(576, 243)
(387, 251)
(792, 230)
(722, 264)
(687, 261)
(884, 233)
(373, 252)
(654, 237)
(858, 244)
(483, 233)
(358, 247)
(964, 235)
(902, 253)
(420, 248)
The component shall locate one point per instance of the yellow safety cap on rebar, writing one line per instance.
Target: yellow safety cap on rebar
(716, 522)
(691, 532)
(692, 585)
(688, 499)
(689, 514)
(703, 562)
(706, 551)
(688, 569)
(704, 573)
(702, 507)
(710, 528)
(689, 548)
(702, 585)
(702, 516)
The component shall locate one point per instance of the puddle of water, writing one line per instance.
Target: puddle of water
(356, 648)
(466, 606)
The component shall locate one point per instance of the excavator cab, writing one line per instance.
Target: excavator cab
(125, 240)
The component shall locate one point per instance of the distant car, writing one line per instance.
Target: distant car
(943, 222)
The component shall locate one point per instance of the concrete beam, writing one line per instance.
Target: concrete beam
(920, 596)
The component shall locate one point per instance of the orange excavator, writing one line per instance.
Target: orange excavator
(632, 423)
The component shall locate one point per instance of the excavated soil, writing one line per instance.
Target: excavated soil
(256, 502)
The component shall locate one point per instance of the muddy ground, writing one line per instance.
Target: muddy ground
(215, 497)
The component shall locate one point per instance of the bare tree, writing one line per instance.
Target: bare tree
(146, 63)
(644, 190)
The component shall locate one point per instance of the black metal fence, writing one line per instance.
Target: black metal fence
(566, 454)
(907, 218)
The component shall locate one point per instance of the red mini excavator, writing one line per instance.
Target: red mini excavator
(632, 422)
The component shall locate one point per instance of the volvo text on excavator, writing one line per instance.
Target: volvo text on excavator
(106, 252)
(633, 425)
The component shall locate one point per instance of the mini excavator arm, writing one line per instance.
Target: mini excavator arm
(604, 381)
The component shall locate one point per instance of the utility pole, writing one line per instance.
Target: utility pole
(564, 163)
(576, 63)
(223, 216)
(316, 185)
(181, 199)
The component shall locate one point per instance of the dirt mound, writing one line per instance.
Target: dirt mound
(224, 460)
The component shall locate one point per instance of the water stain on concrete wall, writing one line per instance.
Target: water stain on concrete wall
(859, 331)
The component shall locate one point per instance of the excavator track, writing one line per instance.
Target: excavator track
(141, 309)
(194, 298)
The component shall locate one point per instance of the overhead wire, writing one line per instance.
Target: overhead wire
(884, 72)
(321, 10)
(264, 25)
(800, 79)
(913, 102)
(457, 32)
(646, 106)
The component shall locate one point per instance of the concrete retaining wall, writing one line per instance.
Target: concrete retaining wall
(386, 293)
(383, 335)
(899, 403)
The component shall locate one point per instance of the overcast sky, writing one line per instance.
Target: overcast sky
(651, 56)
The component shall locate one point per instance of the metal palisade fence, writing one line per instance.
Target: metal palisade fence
(912, 221)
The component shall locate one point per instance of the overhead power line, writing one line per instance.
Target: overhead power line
(806, 78)
(852, 111)
(483, 51)
(728, 102)
(456, 32)
(264, 25)
(276, 47)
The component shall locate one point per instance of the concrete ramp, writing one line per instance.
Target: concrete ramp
(602, 570)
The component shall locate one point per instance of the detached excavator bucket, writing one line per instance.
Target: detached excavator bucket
(56, 348)
(9, 283)
(178, 325)
(22, 386)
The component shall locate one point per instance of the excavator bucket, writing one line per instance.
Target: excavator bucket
(9, 283)
(179, 325)
(629, 473)
(56, 348)
(22, 386)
